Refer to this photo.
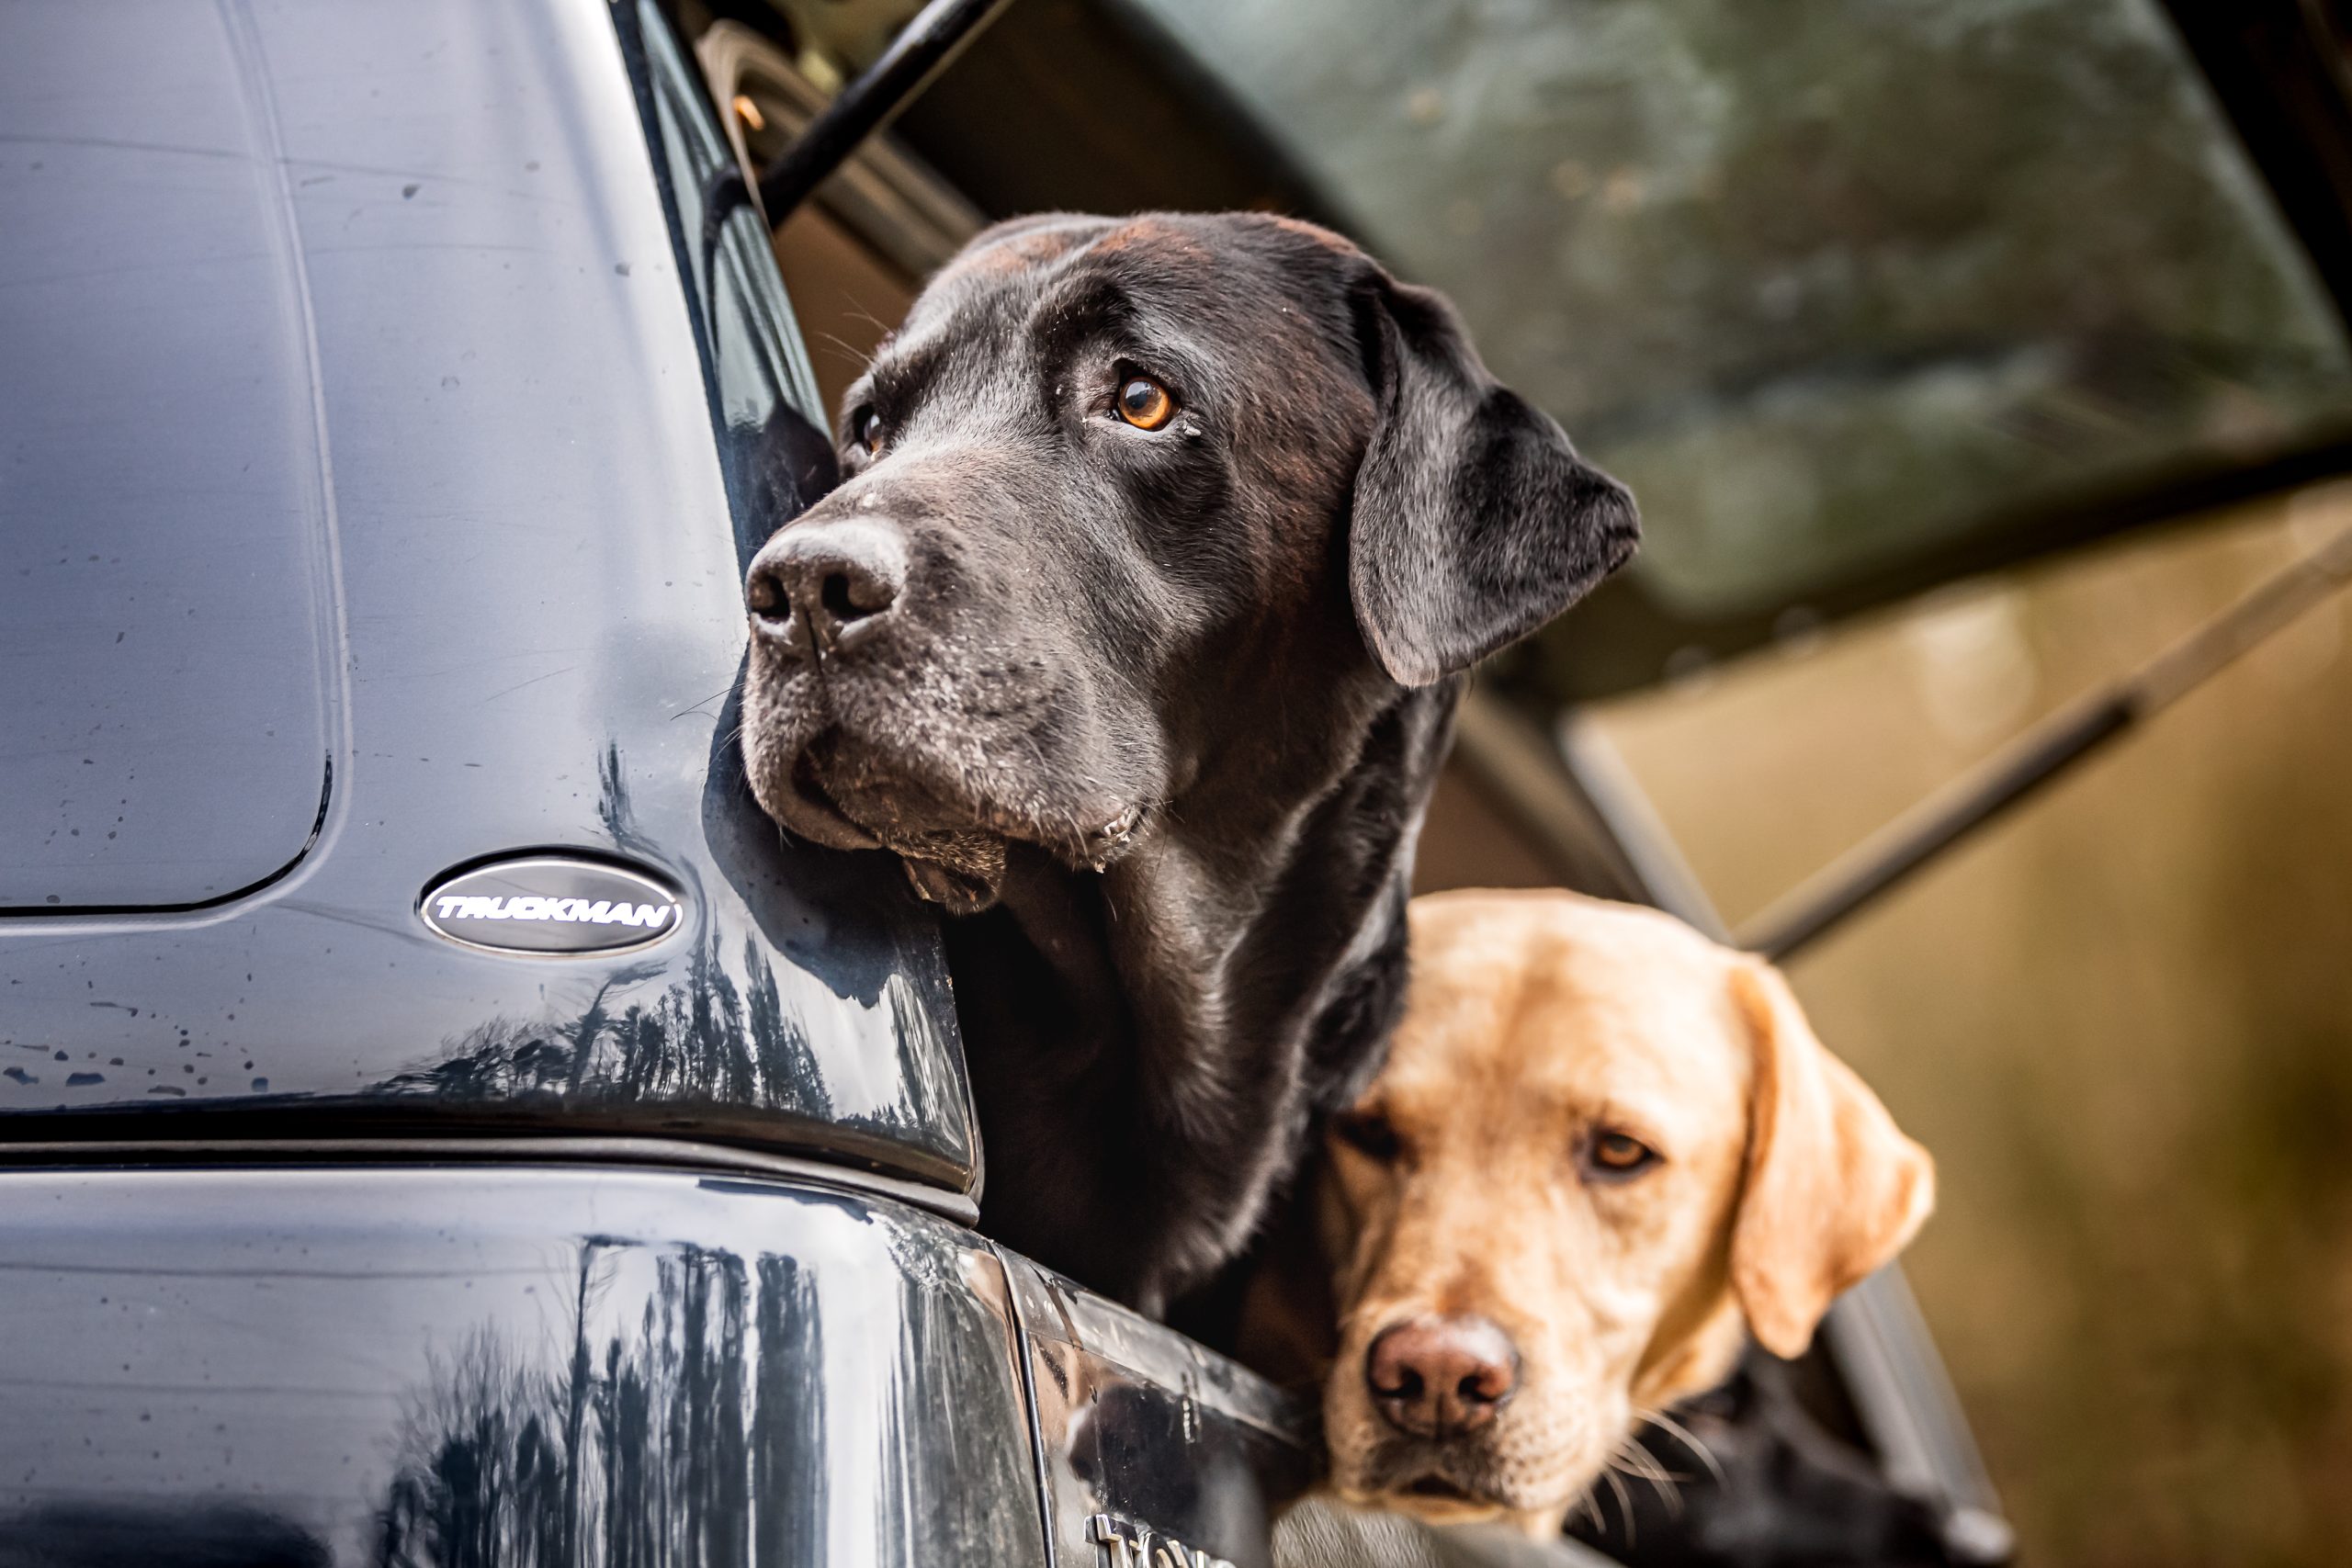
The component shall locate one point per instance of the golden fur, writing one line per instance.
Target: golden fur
(1537, 1021)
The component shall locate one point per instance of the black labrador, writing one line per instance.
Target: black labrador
(1134, 629)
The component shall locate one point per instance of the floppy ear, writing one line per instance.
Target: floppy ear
(1475, 521)
(1834, 1189)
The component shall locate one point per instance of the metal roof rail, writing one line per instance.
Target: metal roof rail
(2044, 752)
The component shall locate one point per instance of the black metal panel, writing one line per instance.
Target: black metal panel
(426, 1368)
(548, 430)
(1085, 105)
(1142, 1429)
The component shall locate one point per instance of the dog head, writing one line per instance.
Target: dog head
(1599, 1143)
(1117, 491)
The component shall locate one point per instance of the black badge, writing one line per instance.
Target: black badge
(552, 904)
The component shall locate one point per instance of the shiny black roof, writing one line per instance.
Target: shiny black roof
(382, 439)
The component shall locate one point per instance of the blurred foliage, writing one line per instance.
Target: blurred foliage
(2120, 1020)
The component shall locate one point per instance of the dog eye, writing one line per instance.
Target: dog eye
(1145, 404)
(871, 431)
(1613, 1153)
(1369, 1134)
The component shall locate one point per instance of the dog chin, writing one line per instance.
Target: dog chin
(1442, 1484)
(1466, 1482)
(960, 869)
(1433, 1500)
(836, 793)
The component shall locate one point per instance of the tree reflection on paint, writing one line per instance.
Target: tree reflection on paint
(692, 1442)
(702, 1038)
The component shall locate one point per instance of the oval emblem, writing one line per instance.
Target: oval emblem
(552, 904)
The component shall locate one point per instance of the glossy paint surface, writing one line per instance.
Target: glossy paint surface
(161, 511)
(1139, 1424)
(517, 1367)
(472, 567)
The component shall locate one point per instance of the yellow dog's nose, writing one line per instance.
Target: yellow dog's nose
(1439, 1377)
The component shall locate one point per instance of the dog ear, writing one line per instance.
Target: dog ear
(1832, 1191)
(1475, 521)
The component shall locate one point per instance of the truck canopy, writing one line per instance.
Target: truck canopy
(381, 440)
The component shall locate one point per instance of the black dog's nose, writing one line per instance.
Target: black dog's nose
(1438, 1376)
(827, 577)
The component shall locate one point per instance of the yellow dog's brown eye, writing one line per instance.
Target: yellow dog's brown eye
(1368, 1133)
(871, 431)
(1145, 404)
(1614, 1153)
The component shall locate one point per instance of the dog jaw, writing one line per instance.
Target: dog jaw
(949, 816)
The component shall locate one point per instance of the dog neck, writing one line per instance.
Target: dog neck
(1170, 1015)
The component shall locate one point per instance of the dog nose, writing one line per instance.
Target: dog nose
(1439, 1377)
(827, 577)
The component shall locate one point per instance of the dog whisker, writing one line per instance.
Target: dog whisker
(1629, 1458)
(1624, 1501)
(862, 357)
(1689, 1440)
(1588, 1504)
(705, 702)
(1632, 1458)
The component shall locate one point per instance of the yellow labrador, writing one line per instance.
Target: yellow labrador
(1601, 1144)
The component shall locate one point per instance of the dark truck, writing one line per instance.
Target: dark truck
(445, 1122)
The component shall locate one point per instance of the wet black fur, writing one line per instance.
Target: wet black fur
(1247, 629)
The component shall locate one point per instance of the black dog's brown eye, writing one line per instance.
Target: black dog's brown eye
(1145, 404)
(1614, 1153)
(1369, 1134)
(871, 431)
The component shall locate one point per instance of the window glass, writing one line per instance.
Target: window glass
(776, 450)
(1825, 283)
(167, 656)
